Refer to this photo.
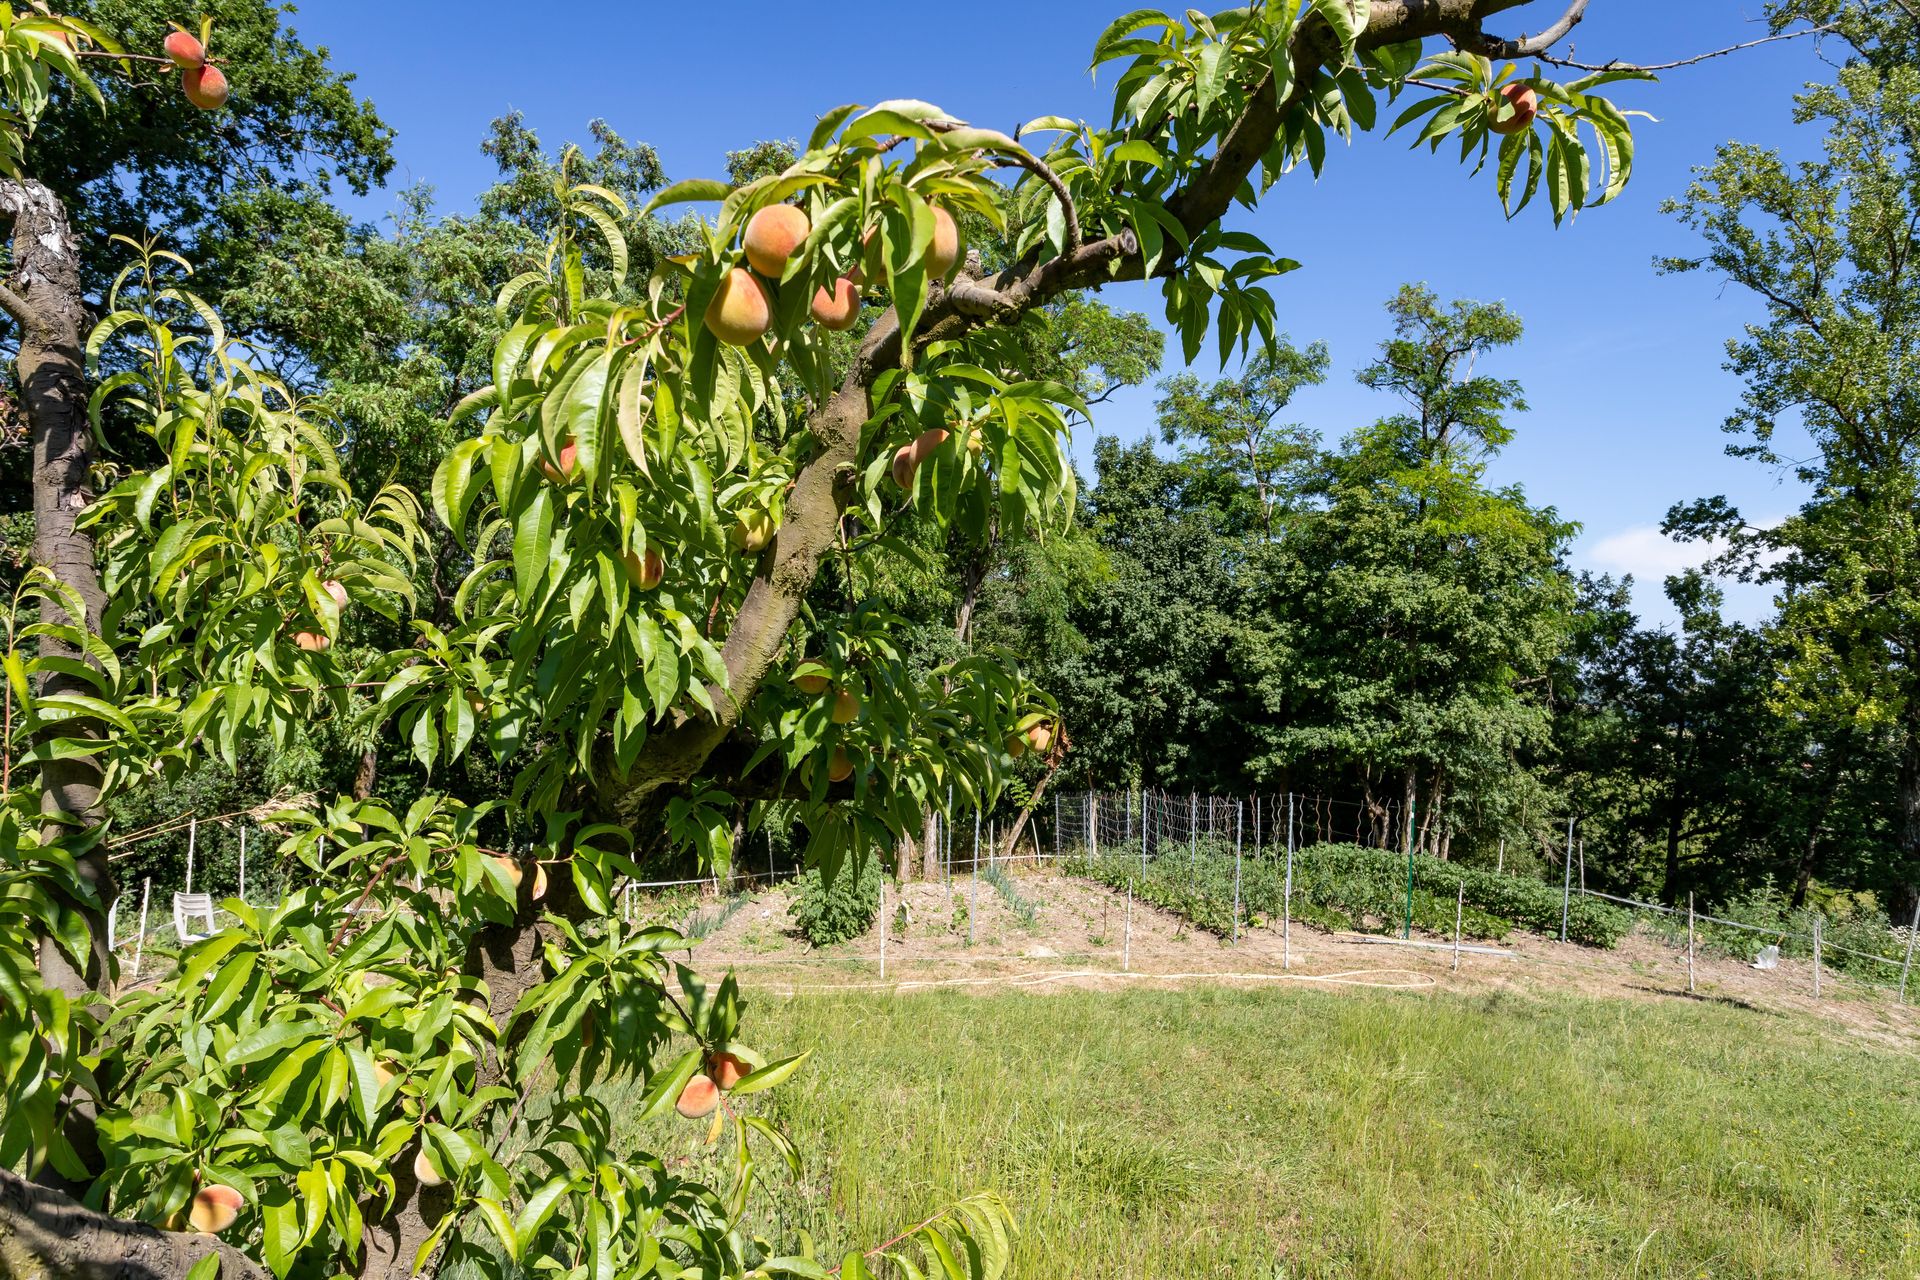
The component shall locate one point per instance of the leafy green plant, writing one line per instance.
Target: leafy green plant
(842, 908)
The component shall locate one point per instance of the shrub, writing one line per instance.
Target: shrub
(844, 909)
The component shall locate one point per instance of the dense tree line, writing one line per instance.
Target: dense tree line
(1351, 610)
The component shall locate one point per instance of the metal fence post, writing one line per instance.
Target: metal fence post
(1126, 937)
(140, 943)
(1913, 931)
(1056, 825)
(243, 864)
(884, 926)
(1286, 896)
(1566, 890)
(1193, 839)
(1406, 930)
(1816, 957)
(1239, 826)
(1689, 943)
(193, 830)
(1459, 916)
(1093, 826)
(1500, 864)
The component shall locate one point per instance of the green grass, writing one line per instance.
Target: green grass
(1295, 1133)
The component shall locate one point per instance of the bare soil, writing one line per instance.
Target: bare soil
(1086, 935)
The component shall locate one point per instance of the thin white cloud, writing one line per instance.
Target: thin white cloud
(1648, 554)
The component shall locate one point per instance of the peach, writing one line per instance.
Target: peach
(510, 867)
(837, 307)
(1525, 104)
(205, 87)
(1040, 737)
(569, 464)
(699, 1098)
(945, 249)
(751, 532)
(645, 572)
(976, 443)
(846, 707)
(905, 463)
(423, 1171)
(814, 684)
(929, 440)
(215, 1206)
(741, 309)
(339, 593)
(1016, 745)
(312, 641)
(772, 234)
(186, 51)
(839, 769)
(727, 1068)
(539, 881)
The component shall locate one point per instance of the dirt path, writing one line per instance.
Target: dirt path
(1079, 936)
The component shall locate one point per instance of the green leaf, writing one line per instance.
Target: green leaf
(687, 190)
(770, 1075)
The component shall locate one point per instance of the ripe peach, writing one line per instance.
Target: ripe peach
(772, 234)
(539, 881)
(312, 641)
(510, 867)
(846, 707)
(339, 593)
(215, 1206)
(929, 440)
(645, 571)
(741, 309)
(423, 1170)
(839, 769)
(727, 1068)
(699, 1098)
(186, 51)
(476, 702)
(1040, 737)
(836, 308)
(205, 87)
(1525, 104)
(569, 464)
(905, 463)
(945, 249)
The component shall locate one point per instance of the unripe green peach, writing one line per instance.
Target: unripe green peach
(846, 707)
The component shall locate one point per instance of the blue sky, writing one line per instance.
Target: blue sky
(1621, 366)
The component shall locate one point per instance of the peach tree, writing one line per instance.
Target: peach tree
(415, 1058)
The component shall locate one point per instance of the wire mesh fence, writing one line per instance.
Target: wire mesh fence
(1229, 863)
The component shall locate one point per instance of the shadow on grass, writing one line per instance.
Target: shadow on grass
(1732, 1002)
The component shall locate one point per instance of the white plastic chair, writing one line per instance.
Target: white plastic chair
(186, 905)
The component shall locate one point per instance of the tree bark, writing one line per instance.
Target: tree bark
(42, 294)
(45, 1235)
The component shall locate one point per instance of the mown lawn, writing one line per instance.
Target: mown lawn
(1305, 1134)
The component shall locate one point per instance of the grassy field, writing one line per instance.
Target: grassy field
(1296, 1134)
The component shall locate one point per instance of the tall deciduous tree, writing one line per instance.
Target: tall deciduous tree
(1829, 246)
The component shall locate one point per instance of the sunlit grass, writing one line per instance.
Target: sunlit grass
(1297, 1133)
